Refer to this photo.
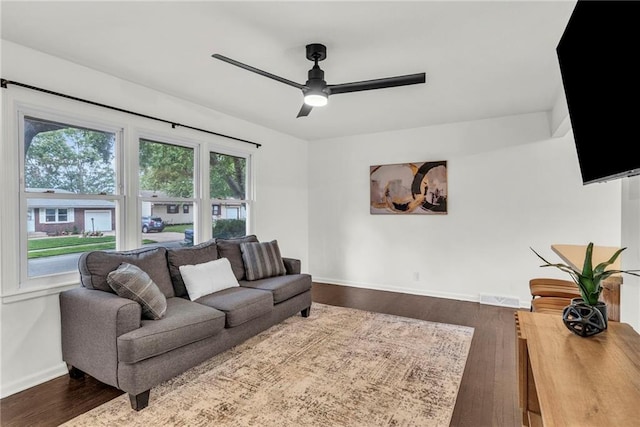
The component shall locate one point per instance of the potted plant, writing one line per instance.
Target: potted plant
(587, 316)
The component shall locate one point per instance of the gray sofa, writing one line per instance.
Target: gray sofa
(106, 336)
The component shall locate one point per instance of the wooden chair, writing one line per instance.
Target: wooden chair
(551, 295)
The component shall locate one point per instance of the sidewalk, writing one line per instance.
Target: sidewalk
(165, 236)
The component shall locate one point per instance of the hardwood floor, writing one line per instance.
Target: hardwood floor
(487, 395)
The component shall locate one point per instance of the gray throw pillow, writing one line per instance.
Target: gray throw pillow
(262, 260)
(129, 281)
(230, 249)
(95, 265)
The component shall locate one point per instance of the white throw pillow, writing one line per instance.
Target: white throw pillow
(208, 277)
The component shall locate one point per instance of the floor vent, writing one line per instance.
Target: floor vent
(500, 300)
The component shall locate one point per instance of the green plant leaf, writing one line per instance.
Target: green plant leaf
(587, 268)
(589, 279)
(603, 265)
(563, 267)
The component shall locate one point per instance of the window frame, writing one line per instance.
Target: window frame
(14, 210)
(195, 200)
(69, 215)
(26, 282)
(248, 201)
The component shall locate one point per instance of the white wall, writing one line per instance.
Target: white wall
(510, 187)
(630, 258)
(30, 331)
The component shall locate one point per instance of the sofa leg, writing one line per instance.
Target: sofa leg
(139, 401)
(306, 312)
(75, 373)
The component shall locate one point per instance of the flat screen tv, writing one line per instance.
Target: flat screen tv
(599, 58)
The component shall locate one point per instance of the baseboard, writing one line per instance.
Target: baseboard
(399, 289)
(411, 291)
(32, 380)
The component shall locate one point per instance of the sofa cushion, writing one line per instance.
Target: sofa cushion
(207, 278)
(282, 287)
(94, 267)
(191, 255)
(230, 249)
(292, 265)
(184, 322)
(262, 260)
(129, 281)
(239, 304)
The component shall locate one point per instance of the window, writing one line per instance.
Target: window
(69, 172)
(227, 184)
(68, 189)
(50, 215)
(167, 180)
(56, 215)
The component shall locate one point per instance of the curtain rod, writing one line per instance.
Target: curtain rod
(5, 82)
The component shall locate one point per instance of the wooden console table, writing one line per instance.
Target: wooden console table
(565, 380)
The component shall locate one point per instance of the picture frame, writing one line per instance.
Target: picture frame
(416, 188)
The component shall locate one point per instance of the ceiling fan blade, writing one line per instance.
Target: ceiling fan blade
(409, 79)
(257, 71)
(304, 111)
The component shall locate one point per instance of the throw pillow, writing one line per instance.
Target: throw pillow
(129, 281)
(95, 265)
(230, 248)
(192, 255)
(262, 260)
(208, 277)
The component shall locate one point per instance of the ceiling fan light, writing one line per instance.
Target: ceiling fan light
(316, 99)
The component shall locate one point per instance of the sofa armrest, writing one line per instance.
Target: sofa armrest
(292, 265)
(91, 321)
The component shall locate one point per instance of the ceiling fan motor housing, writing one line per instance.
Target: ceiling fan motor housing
(316, 83)
(316, 52)
(316, 77)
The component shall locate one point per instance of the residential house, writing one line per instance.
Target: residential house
(182, 213)
(55, 217)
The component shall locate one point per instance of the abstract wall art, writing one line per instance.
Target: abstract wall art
(409, 188)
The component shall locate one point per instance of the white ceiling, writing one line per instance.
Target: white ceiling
(482, 59)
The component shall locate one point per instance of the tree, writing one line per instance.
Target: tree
(33, 126)
(167, 168)
(68, 158)
(227, 175)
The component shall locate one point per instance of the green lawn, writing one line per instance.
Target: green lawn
(178, 228)
(56, 242)
(51, 246)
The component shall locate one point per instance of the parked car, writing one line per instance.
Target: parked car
(152, 223)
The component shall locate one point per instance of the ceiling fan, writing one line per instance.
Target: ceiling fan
(316, 91)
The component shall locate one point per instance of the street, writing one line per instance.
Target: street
(69, 262)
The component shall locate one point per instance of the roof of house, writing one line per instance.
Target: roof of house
(66, 203)
(70, 203)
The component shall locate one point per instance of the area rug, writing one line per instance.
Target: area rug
(338, 367)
